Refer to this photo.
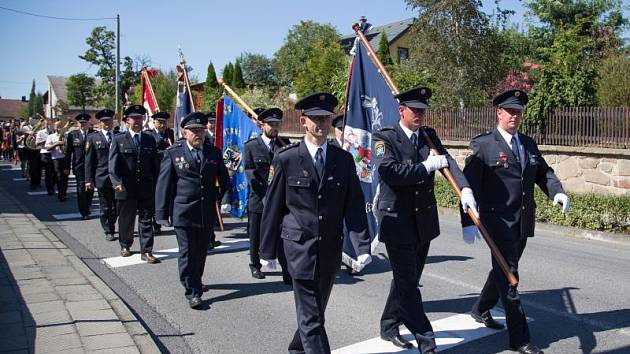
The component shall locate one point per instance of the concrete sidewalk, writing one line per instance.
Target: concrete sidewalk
(50, 301)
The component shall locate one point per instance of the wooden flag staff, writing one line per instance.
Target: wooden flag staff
(496, 253)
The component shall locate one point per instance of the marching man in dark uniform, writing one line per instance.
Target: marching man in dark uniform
(133, 168)
(257, 156)
(75, 153)
(502, 167)
(164, 137)
(188, 174)
(97, 171)
(407, 213)
(337, 124)
(314, 189)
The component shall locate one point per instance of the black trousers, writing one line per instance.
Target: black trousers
(497, 287)
(107, 205)
(84, 197)
(34, 168)
(127, 211)
(311, 298)
(193, 245)
(253, 229)
(49, 172)
(60, 166)
(23, 156)
(404, 302)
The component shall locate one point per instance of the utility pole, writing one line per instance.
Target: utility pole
(117, 63)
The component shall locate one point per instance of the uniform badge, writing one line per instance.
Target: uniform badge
(271, 173)
(87, 145)
(305, 172)
(379, 148)
(503, 158)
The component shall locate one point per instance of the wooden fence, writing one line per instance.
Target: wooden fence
(583, 126)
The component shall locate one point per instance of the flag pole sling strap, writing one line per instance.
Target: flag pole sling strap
(445, 171)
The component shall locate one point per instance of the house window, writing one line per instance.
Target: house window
(403, 54)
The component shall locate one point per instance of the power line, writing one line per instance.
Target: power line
(57, 18)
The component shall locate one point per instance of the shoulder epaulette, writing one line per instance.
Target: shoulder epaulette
(288, 147)
(250, 140)
(482, 134)
(385, 129)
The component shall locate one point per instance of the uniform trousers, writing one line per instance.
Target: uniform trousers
(404, 302)
(253, 229)
(84, 197)
(49, 172)
(108, 214)
(311, 298)
(511, 246)
(60, 166)
(34, 167)
(193, 245)
(127, 211)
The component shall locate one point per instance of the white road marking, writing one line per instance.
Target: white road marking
(13, 168)
(69, 216)
(449, 332)
(227, 245)
(19, 179)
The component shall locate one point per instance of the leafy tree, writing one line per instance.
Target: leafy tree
(31, 101)
(383, 50)
(456, 44)
(258, 97)
(23, 113)
(299, 46)
(100, 53)
(38, 106)
(320, 69)
(613, 84)
(258, 71)
(211, 89)
(237, 75)
(165, 89)
(81, 90)
(228, 73)
(61, 107)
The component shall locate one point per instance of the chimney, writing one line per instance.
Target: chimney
(23, 98)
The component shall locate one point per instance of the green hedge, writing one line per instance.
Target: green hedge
(588, 211)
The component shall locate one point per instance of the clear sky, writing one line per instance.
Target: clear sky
(216, 31)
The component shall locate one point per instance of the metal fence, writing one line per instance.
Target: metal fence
(582, 126)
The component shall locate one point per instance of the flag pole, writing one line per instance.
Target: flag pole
(244, 104)
(346, 94)
(151, 92)
(496, 253)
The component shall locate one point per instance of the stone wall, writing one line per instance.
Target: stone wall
(581, 169)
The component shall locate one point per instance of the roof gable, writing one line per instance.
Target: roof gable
(393, 30)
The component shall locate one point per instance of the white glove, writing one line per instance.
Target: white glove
(270, 264)
(225, 208)
(364, 259)
(435, 162)
(470, 234)
(564, 200)
(468, 201)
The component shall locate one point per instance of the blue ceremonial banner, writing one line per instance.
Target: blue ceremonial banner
(371, 106)
(237, 129)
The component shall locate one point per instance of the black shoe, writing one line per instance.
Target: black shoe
(110, 237)
(125, 252)
(194, 302)
(287, 280)
(215, 244)
(398, 341)
(256, 273)
(528, 349)
(157, 230)
(205, 287)
(148, 257)
(487, 320)
(51, 192)
(85, 217)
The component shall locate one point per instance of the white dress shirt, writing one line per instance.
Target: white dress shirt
(408, 132)
(312, 150)
(55, 153)
(508, 139)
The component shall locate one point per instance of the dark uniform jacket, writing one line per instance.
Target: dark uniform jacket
(406, 206)
(75, 151)
(163, 140)
(257, 161)
(134, 170)
(504, 192)
(97, 160)
(193, 187)
(309, 217)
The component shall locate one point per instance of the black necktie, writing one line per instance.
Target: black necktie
(414, 139)
(136, 140)
(109, 137)
(515, 151)
(319, 163)
(272, 146)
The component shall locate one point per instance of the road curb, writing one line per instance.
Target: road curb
(138, 333)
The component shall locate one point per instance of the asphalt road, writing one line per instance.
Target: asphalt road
(575, 291)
